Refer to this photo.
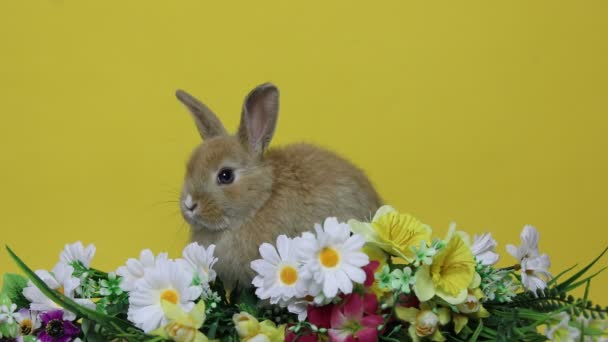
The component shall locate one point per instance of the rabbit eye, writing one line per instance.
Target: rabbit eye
(225, 176)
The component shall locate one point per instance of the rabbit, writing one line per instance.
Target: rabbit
(238, 193)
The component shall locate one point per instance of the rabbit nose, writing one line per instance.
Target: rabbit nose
(190, 204)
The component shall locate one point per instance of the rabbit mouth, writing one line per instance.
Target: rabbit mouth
(197, 223)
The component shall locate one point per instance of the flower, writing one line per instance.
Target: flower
(56, 328)
(134, 269)
(534, 266)
(423, 255)
(8, 314)
(249, 329)
(165, 281)
(60, 280)
(393, 232)
(320, 317)
(183, 327)
(384, 277)
(534, 274)
(424, 322)
(402, 280)
(600, 327)
(110, 286)
(278, 274)
(200, 261)
(333, 259)
(529, 244)
(355, 319)
(452, 271)
(28, 322)
(483, 249)
(77, 252)
(562, 331)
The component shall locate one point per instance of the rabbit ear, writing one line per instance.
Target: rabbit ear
(259, 117)
(207, 123)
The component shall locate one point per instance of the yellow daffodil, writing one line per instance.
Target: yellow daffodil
(249, 329)
(393, 232)
(424, 322)
(450, 274)
(183, 327)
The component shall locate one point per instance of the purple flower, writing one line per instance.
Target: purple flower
(55, 328)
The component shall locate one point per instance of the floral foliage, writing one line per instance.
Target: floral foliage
(389, 279)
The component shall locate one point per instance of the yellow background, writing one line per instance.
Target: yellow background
(490, 114)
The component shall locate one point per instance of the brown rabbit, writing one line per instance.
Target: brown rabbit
(237, 195)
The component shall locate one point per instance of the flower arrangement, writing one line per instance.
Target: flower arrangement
(384, 280)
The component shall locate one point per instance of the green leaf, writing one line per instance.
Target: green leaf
(13, 285)
(8, 330)
(212, 330)
(565, 284)
(581, 282)
(69, 304)
(477, 331)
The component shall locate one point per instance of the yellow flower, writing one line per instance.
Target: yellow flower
(249, 329)
(393, 232)
(183, 327)
(470, 308)
(450, 274)
(424, 322)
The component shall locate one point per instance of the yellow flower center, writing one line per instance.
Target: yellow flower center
(60, 289)
(329, 257)
(170, 295)
(26, 326)
(288, 275)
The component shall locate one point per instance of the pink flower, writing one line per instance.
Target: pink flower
(317, 315)
(355, 319)
(369, 270)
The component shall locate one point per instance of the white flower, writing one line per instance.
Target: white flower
(60, 280)
(77, 252)
(534, 274)
(483, 249)
(596, 324)
(562, 331)
(8, 314)
(534, 267)
(278, 274)
(28, 321)
(134, 269)
(200, 261)
(333, 259)
(298, 307)
(165, 281)
(529, 244)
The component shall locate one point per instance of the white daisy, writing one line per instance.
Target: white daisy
(278, 274)
(134, 269)
(8, 314)
(60, 280)
(483, 249)
(165, 281)
(333, 259)
(77, 252)
(200, 261)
